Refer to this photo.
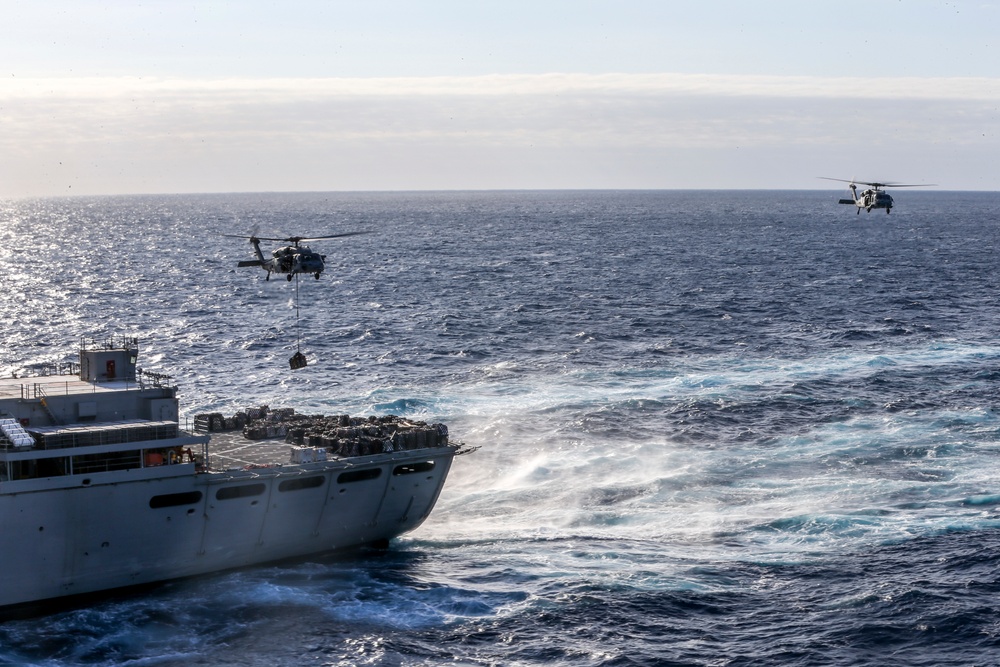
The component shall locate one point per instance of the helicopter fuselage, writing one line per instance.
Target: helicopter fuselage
(287, 260)
(290, 260)
(874, 196)
(869, 199)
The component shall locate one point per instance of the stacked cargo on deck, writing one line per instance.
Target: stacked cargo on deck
(339, 435)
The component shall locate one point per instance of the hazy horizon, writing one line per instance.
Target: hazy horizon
(313, 96)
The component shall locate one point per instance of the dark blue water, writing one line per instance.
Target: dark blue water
(716, 428)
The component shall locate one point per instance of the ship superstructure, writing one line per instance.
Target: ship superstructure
(101, 487)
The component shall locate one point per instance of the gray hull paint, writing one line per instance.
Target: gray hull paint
(105, 535)
(101, 489)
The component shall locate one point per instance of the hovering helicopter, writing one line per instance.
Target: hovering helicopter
(292, 259)
(875, 196)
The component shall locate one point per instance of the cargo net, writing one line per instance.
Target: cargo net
(339, 435)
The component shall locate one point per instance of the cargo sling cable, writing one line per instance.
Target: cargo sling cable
(297, 360)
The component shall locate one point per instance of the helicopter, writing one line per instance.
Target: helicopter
(875, 196)
(291, 259)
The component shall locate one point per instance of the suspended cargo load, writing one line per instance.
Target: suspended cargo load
(297, 361)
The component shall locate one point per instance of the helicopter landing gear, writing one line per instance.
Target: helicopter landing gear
(888, 208)
(316, 275)
(268, 276)
(289, 277)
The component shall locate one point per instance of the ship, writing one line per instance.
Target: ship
(103, 488)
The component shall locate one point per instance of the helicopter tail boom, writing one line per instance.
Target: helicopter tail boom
(249, 262)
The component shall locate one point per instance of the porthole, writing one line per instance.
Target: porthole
(410, 468)
(359, 475)
(175, 499)
(241, 491)
(300, 483)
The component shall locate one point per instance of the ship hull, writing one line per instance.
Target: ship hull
(115, 531)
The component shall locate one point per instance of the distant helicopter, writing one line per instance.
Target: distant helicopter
(289, 260)
(875, 196)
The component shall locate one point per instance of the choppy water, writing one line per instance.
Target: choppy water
(717, 428)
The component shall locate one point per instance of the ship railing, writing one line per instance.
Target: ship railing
(57, 368)
(113, 342)
(188, 431)
(38, 390)
(153, 379)
(49, 370)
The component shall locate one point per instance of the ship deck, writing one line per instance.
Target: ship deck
(37, 386)
(230, 450)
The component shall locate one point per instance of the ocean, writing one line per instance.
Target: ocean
(714, 427)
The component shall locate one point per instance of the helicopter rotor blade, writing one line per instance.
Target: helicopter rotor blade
(879, 185)
(297, 239)
(258, 239)
(853, 181)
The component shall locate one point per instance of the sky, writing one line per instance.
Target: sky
(164, 96)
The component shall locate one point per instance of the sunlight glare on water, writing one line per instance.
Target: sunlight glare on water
(694, 412)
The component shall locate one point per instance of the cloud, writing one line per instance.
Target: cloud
(967, 88)
(139, 135)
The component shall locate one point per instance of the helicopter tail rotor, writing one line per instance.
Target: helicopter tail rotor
(854, 193)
